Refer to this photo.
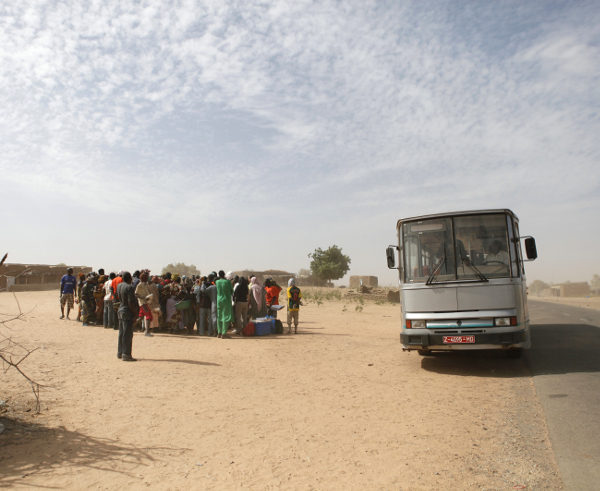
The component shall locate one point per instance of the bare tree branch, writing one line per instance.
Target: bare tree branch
(13, 354)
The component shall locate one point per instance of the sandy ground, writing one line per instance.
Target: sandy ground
(588, 303)
(338, 406)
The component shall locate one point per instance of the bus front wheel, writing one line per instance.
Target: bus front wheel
(424, 352)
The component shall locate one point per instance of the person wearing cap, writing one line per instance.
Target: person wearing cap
(68, 283)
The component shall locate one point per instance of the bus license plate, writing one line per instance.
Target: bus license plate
(458, 339)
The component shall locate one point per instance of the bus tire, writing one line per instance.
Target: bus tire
(424, 352)
(514, 353)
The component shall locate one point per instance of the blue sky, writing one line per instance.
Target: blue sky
(244, 134)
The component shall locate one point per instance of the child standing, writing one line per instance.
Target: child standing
(293, 295)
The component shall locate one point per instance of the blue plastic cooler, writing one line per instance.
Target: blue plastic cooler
(263, 328)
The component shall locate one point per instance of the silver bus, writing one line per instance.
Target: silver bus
(462, 281)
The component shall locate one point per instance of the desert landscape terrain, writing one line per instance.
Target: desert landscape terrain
(337, 406)
(588, 303)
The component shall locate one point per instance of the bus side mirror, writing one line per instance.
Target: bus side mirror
(530, 248)
(391, 257)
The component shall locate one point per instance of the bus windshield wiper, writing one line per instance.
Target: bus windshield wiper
(436, 270)
(476, 272)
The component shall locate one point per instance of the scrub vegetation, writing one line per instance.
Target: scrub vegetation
(181, 269)
(322, 295)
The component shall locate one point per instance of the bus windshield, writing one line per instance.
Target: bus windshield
(466, 247)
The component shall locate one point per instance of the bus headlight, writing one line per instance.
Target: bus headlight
(505, 321)
(420, 324)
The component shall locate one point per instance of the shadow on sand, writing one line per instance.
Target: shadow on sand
(555, 349)
(188, 362)
(484, 363)
(29, 448)
(560, 348)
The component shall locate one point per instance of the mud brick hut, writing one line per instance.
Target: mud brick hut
(34, 277)
(581, 289)
(370, 281)
(282, 277)
(551, 292)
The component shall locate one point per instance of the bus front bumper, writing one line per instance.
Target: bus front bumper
(490, 340)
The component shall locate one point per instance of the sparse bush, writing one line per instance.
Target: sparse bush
(537, 287)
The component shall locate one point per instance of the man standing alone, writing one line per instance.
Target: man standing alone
(128, 311)
(67, 290)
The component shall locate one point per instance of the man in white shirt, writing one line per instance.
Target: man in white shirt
(497, 255)
(109, 311)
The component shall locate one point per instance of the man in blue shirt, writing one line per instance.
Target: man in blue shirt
(68, 283)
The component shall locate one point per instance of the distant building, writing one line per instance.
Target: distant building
(581, 289)
(35, 277)
(357, 281)
(281, 277)
(551, 292)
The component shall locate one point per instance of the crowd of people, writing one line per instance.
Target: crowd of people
(212, 305)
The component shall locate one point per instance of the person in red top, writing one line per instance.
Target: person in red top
(113, 290)
(272, 295)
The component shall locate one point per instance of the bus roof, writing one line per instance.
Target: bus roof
(458, 213)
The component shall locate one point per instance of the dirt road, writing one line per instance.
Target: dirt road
(338, 406)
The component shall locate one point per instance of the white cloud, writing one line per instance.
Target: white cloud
(406, 106)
